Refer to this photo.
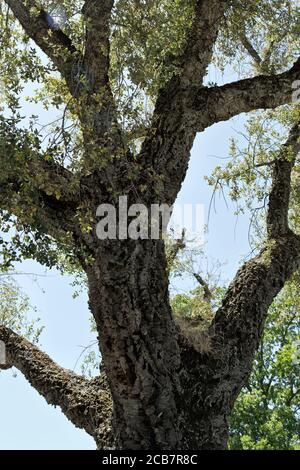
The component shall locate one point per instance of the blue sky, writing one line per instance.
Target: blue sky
(26, 420)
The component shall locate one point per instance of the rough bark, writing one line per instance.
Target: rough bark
(138, 341)
(98, 111)
(220, 103)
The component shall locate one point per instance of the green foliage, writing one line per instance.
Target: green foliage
(271, 27)
(15, 309)
(193, 307)
(193, 310)
(90, 364)
(246, 178)
(146, 37)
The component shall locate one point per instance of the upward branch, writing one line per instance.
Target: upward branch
(238, 325)
(198, 51)
(277, 220)
(170, 139)
(97, 17)
(98, 111)
(53, 42)
(250, 48)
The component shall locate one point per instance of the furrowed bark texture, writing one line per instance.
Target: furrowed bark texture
(129, 300)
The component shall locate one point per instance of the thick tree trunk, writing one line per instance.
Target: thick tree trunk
(128, 287)
(164, 391)
(204, 407)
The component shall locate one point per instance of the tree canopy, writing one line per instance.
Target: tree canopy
(127, 86)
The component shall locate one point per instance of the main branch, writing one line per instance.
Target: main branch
(220, 103)
(198, 52)
(86, 403)
(53, 42)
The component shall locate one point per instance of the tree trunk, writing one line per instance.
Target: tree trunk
(164, 391)
(128, 286)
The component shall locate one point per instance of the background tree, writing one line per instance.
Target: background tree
(129, 79)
